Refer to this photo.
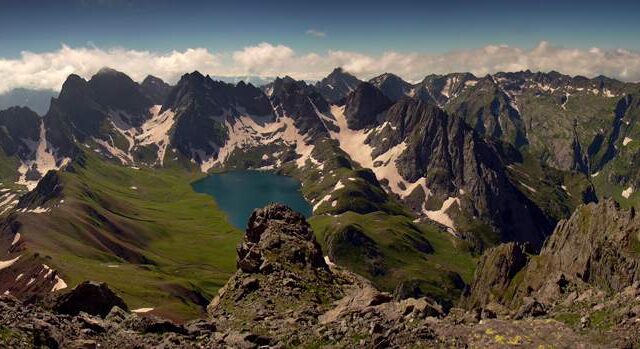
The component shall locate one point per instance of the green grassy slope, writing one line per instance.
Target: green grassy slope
(397, 254)
(144, 232)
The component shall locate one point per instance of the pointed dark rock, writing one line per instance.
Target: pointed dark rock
(337, 85)
(364, 106)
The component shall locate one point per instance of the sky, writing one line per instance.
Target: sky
(43, 41)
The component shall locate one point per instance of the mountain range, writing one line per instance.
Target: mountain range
(409, 182)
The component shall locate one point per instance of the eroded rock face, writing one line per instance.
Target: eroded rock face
(496, 269)
(277, 237)
(589, 268)
(278, 260)
(595, 248)
(598, 245)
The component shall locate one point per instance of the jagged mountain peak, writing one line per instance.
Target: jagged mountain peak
(385, 76)
(338, 84)
(364, 104)
(155, 88)
(16, 125)
(72, 87)
(152, 80)
(108, 71)
(115, 90)
(339, 71)
(393, 86)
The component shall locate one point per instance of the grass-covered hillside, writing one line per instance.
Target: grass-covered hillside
(145, 232)
(396, 254)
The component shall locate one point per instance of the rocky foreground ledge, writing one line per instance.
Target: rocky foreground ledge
(283, 295)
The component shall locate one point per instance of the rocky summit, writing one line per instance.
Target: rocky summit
(286, 294)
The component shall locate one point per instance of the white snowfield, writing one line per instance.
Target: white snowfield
(626, 141)
(249, 130)
(353, 143)
(141, 310)
(44, 159)
(155, 131)
(627, 192)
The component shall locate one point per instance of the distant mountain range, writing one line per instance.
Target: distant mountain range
(491, 159)
(36, 100)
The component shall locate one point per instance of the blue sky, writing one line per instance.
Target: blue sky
(42, 42)
(364, 26)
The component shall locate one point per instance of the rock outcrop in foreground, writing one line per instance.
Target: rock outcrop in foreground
(284, 294)
(587, 275)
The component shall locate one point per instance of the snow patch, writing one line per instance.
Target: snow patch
(16, 238)
(353, 143)
(328, 261)
(8, 263)
(44, 160)
(626, 141)
(627, 192)
(533, 190)
(564, 104)
(156, 130)
(142, 310)
(323, 200)
(441, 215)
(59, 285)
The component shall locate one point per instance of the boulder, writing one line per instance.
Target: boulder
(494, 273)
(91, 297)
(530, 308)
(277, 235)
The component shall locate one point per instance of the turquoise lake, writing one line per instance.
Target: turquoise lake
(238, 193)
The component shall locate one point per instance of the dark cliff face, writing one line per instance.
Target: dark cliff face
(455, 159)
(392, 86)
(155, 89)
(202, 106)
(337, 85)
(83, 109)
(363, 106)
(18, 124)
(114, 90)
(74, 115)
(491, 112)
(441, 88)
(297, 100)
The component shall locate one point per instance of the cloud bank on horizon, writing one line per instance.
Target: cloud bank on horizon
(48, 70)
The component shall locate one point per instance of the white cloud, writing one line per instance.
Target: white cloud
(316, 33)
(263, 58)
(49, 70)
(616, 63)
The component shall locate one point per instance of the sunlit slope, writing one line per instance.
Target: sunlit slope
(144, 232)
